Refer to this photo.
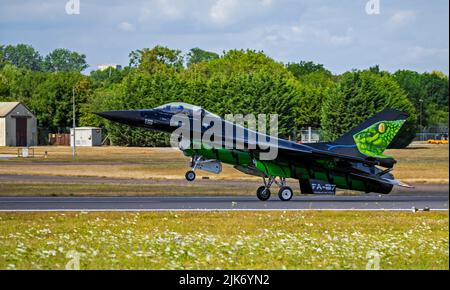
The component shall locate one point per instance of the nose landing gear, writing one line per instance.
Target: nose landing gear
(285, 193)
(190, 175)
(200, 163)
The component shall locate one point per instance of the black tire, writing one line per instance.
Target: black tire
(285, 193)
(190, 176)
(263, 193)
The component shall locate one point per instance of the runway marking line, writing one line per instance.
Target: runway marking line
(210, 210)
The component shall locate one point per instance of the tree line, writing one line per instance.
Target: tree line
(237, 81)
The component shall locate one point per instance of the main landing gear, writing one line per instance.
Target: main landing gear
(285, 193)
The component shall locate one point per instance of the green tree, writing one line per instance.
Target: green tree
(196, 55)
(2, 57)
(237, 61)
(48, 95)
(157, 59)
(304, 68)
(436, 89)
(107, 77)
(264, 88)
(62, 59)
(53, 99)
(361, 94)
(437, 116)
(244, 81)
(240, 81)
(429, 94)
(22, 56)
(411, 83)
(261, 92)
(312, 89)
(138, 90)
(18, 84)
(308, 106)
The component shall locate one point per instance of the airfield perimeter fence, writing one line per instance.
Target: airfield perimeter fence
(433, 133)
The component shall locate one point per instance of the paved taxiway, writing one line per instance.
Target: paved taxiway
(400, 201)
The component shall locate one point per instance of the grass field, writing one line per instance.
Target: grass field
(225, 240)
(420, 163)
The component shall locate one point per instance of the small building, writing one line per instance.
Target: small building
(310, 135)
(104, 67)
(86, 136)
(18, 126)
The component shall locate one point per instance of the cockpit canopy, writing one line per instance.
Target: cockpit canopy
(178, 107)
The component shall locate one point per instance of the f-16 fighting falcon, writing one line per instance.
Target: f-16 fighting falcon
(355, 161)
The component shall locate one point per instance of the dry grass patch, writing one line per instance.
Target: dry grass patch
(420, 163)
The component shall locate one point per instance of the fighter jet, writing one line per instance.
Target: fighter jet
(355, 161)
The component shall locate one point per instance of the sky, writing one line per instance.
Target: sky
(342, 35)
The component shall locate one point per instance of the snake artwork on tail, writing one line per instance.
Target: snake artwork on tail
(373, 140)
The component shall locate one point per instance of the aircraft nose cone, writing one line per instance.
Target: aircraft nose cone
(124, 117)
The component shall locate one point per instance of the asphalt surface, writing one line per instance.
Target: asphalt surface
(435, 197)
(434, 201)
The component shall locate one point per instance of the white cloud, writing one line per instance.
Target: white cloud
(32, 10)
(156, 11)
(126, 26)
(340, 40)
(303, 33)
(403, 17)
(225, 12)
(173, 9)
(420, 53)
(266, 3)
(222, 11)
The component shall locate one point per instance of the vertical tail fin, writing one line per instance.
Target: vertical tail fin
(375, 134)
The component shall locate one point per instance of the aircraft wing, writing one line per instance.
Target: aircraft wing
(292, 151)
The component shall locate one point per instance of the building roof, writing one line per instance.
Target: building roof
(87, 128)
(7, 107)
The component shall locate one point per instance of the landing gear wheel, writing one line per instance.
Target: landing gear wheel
(263, 193)
(190, 176)
(285, 193)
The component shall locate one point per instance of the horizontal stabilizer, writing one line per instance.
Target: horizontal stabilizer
(382, 179)
(397, 183)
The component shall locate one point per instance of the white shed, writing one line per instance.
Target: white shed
(86, 136)
(18, 125)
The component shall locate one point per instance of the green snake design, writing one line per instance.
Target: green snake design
(373, 140)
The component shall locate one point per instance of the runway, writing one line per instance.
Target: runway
(393, 202)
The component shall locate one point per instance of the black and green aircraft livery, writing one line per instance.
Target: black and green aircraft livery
(355, 161)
